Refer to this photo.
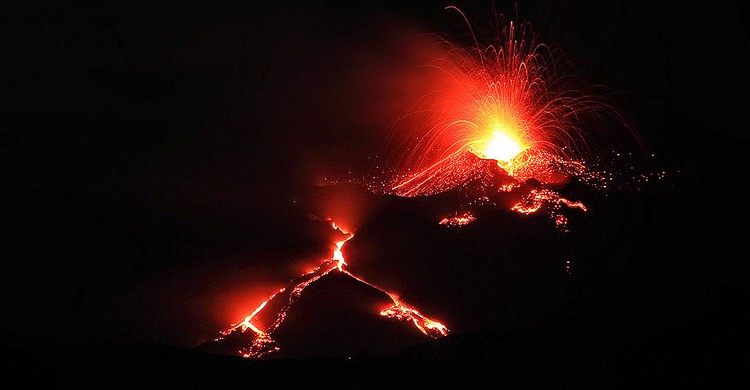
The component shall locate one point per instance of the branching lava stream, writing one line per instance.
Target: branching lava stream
(263, 342)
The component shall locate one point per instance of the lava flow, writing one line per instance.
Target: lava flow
(458, 220)
(263, 343)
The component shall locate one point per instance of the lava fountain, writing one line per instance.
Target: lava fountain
(511, 103)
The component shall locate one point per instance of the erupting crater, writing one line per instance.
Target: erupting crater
(515, 104)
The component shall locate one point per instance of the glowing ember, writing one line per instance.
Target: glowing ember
(458, 220)
(263, 342)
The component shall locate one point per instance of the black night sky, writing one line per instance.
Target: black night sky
(160, 163)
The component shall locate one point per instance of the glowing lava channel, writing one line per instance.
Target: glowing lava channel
(263, 342)
(536, 199)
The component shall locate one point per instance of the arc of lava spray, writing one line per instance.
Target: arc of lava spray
(263, 342)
